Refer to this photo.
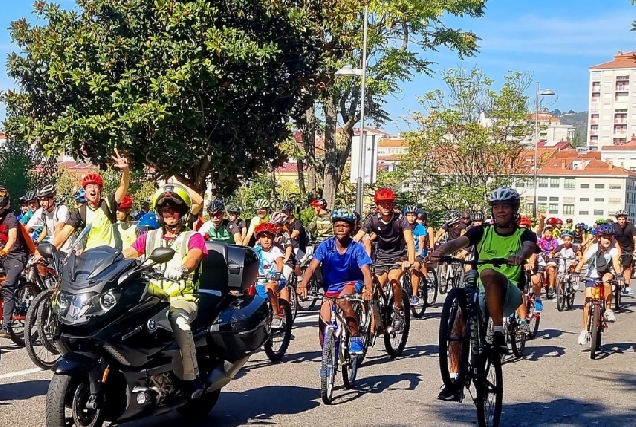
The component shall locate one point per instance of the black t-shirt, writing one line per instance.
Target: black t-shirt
(8, 221)
(390, 240)
(625, 236)
(238, 223)
(297, 225)
(455, 230)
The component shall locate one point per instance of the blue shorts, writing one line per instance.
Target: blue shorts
(262, 292)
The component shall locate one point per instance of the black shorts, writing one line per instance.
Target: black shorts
(419, 259)
(382, 258)
(627, 260)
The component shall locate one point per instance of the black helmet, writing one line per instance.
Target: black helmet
(287, 206)
(215, 206)
(234, 210)
(423, 215)
(478, 216)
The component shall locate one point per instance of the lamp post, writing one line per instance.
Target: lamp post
(348, 71)
(546, 92)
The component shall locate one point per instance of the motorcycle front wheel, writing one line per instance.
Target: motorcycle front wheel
(66, 403)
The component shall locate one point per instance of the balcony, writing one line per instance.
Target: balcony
(594, 106)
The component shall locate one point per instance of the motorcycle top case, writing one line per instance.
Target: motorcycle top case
(241, 328)
(228, 268)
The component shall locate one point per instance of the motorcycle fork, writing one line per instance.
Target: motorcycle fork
(96, 378)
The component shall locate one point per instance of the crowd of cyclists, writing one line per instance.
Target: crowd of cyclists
(337, 244)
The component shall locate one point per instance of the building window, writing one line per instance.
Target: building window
(615, 200)
(568, 209)
(585, 185)
(568, 183)
(554, 208)
(599, 212)
(543, 182)
(554, 199)
(521, 184)
(541, 207)
(554, 182)
(599, 186)
(584, 199)
(584, 212)
(614, 186)
(599, 199)
(542, 198)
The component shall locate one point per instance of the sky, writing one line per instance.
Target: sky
(556, 42)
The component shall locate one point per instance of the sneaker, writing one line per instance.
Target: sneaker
(538, 305)
(583, 337)
(499, 342)
(450, 394)
(398, 320)
(277, 322)
(356, 346)
(5, 332)
(415, 301)
(575, 286)
(194, 388)
(549, 294)
(609, 315)
(628, 291)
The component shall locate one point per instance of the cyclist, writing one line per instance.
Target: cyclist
(214, 229)
(297, 232)
(320, 226)
(578, 234)
(145, 209)
(24, 207)
(422, 218)
(548, 245)
(535, 275)
(345, 271)
(625, 235)
(452, 229)
(50, 215)
(569, 224)
(80, 198)
(271, 283)
(502, 285)
(172, 203)
(419, 237)
(233, 213)
(600, 258)
(262, 215)
(395, 244)
(284, 242)
(125, 230)
(31, 198)
(97, 211)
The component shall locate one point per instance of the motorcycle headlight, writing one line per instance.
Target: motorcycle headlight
(79, 308)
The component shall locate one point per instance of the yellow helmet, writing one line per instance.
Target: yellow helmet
(172, 194)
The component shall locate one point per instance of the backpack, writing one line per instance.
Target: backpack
(104, 207)
(303, 239)
(599, 262)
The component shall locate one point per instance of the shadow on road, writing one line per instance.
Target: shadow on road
(535, 353)
(611, 349)
(23, 390)
(375, 384)
(547, 334)
(430, 350)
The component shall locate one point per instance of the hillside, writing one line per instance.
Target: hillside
(576, 119)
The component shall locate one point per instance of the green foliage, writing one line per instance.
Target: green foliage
(198, 89)
(17, 162)
(306, 215)
(455, 158)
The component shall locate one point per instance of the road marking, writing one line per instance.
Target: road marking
(20, 373)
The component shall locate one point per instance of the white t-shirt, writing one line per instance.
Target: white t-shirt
(268, 259)
(43, 217)
(591, 254)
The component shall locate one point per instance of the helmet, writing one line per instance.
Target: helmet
(318, 203)
(551, 221)
(234, 210)
(478, 216)
(466, 215)
(605, 230)
(422, 215)
(504, 195)
(147, 222)
(580, 225)
(287, 206)
(600, 221)
(559, 221)
(278, 218)
(80, 196)
(31, 195)
(92, 178)
(384, 195)
(357, 215)
(126, 202)
(410, 209)
(524, 221)
(265, 227)
(5, 198)
(215, 206)
(343, 215)
(565, 233)
(172, 194)
(609, 221)
(261, 204)
(47, 191)
(453, 217)
(621, 212)
(23, 200)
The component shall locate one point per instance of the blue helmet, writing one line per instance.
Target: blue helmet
(343, 215)
(605, 230)
(147, 222)
(410, 209)
(80, 196)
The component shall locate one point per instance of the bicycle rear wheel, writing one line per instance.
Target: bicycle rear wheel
(595, 316)
(350, 363)
(40, 347)
(293, 301)
(422, 294)
(443, 283)
(489, 385)
(278, 342)
(328, 367)
(617, 296)
(395, 339)
(517, 337)
(23, 298)
(560, 295)
(312, 290)
(431, 287)
(454, 347)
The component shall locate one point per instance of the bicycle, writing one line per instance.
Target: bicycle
(422, 293)
(566, 290)
(382, 307)
(314, 287)
(453, 276)
(596, 322)
(477, 358)
(533, 317)
(515, 333)
(335, 350)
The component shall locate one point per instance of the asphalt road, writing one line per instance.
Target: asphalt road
(555, 384)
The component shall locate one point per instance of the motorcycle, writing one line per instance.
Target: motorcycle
(122, 353)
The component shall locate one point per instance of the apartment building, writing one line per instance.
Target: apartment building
(551, 131)
(612, 105)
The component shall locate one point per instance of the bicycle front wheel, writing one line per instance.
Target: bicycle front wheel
(560, 295)
(278, 342)
(595, 345)
(397, 333)
(328, 367)
(431, 288)
(453, 345)
(489, 385)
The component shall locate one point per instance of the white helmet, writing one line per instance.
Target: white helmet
(261, 203)
(278, 218)
(504, 195)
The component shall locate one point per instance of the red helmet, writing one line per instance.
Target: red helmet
(524, 221)
(126, 202)
(265, 227)
(551, 221)
(384, 195)
(559, 221)
(318, 203)
(92, 178)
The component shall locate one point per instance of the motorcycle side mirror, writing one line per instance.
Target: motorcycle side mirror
(46, 249)
(161, 255)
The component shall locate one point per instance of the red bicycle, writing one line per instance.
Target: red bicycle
(596, 322)
(25, 293)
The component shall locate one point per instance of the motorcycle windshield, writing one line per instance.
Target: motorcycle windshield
(81, 270)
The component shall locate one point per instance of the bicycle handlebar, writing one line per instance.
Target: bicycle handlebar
(497, 262)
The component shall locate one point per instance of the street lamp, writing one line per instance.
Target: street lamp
(362, 72)
(546, 92)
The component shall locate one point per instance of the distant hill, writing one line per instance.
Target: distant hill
(573, 118)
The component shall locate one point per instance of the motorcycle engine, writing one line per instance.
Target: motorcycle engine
(165, 385)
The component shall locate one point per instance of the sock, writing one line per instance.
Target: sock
(453, 375)
(522, 321)
(537, 298)
(497, 329)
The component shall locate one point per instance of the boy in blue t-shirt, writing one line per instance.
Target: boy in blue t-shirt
(419, 235)
(345, 271)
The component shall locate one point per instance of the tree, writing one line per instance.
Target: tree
(468, 140)
(578, 139)
(201, 90)
(18, 161)
(399, 30)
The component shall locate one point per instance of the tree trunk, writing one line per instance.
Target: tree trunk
(331, 177)
(300, 166)
(309, 145)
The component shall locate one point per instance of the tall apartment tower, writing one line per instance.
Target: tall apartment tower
(612, 109)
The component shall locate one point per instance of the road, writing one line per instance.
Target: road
(555, 384)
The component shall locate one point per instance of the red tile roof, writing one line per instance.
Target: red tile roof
(631, 145)
(621, 60)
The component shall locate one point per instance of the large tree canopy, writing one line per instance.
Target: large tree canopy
(199, 89)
